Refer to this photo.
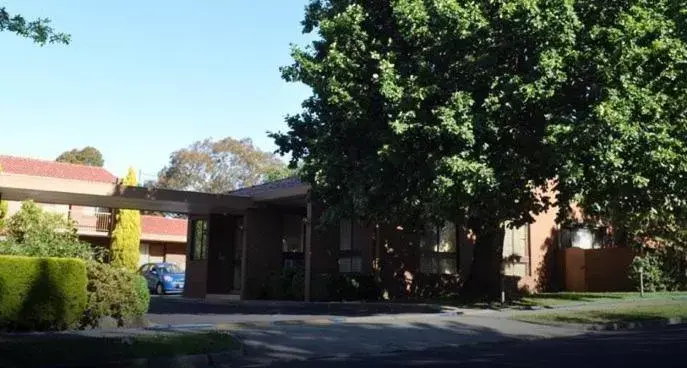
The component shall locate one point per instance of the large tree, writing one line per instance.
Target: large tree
(88, 155)
(38, 30)
(126, 236)
(220, 166)
(426, 110)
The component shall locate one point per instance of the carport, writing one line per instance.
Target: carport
(234, 240)
(221, 214)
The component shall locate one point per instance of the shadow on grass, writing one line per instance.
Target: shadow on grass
(71, 348)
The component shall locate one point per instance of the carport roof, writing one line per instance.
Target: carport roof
(109, 195)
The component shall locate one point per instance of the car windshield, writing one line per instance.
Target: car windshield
(170, 268)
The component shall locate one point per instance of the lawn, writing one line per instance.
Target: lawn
(552, 300)
(77, 349)
(661, 310)
(562, 299)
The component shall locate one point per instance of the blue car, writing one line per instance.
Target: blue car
(163, 277)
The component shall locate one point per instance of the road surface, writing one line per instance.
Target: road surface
(656, 348)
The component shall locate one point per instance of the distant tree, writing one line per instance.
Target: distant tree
(220, 166)
(88, 155)
(126, 235)
(38, 30)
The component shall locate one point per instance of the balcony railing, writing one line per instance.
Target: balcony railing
(86, 221)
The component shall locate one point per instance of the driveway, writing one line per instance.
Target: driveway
(176, 310)
(278, 331)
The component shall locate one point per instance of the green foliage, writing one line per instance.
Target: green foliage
(665, 268)
(41, 293)
(37, 233)
(116, 293)
(38, 30)
(650, 266)
(4, 207)
(126, 235)
(220, 166)
(431, 110)
(287, 284)
(342, 287)
(88, 155)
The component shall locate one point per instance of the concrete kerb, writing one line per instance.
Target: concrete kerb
(195, 360)
(616, 326)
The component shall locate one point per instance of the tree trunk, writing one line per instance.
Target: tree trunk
(484, 281)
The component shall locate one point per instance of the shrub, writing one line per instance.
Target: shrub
(651, 267)
(36, 233)
(41, 293)
(338, 287)
(116, 293)
(126, 235)
(287, 284)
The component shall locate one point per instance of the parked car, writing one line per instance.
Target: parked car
(163, 277)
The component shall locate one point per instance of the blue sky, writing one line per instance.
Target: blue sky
(144, 78)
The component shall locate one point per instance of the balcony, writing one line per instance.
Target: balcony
(98, 223)
(88, 220)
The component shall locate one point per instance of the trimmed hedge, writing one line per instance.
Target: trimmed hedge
(115, 293)
(41, 293)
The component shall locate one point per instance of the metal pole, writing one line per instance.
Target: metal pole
(641, 281)
(308, 251)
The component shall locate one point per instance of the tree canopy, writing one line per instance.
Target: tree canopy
(88, 155)
(475, 110)
(220, 166)
(38, 30)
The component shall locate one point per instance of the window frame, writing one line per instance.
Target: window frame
(290, 258)
(194, 253)
(525, 259)
(351, 253)
(433, 253)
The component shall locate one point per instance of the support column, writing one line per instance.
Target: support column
(308, 251)
(244, 252)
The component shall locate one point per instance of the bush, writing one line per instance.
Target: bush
(115, 293)
(651, 267)
(41, 293)
(339, 287)
(36, 233)
(287, 284)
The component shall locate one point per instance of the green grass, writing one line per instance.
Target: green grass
(561, 299)
(656, 311)
(61, 349)
(551, 300)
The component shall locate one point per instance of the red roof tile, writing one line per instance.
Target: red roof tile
(52, 169)
(159, 225)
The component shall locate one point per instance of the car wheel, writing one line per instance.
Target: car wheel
(159, 290)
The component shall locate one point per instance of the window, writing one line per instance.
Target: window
(350, 260)
(293, 241)
(438, 249)
(516, 251)
(199, 239)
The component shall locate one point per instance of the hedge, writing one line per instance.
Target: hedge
(41, 293)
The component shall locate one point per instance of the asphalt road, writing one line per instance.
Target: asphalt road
(661, 348)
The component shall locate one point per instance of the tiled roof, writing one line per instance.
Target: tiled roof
(52, 169)
(291, 182)
(159, 225)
